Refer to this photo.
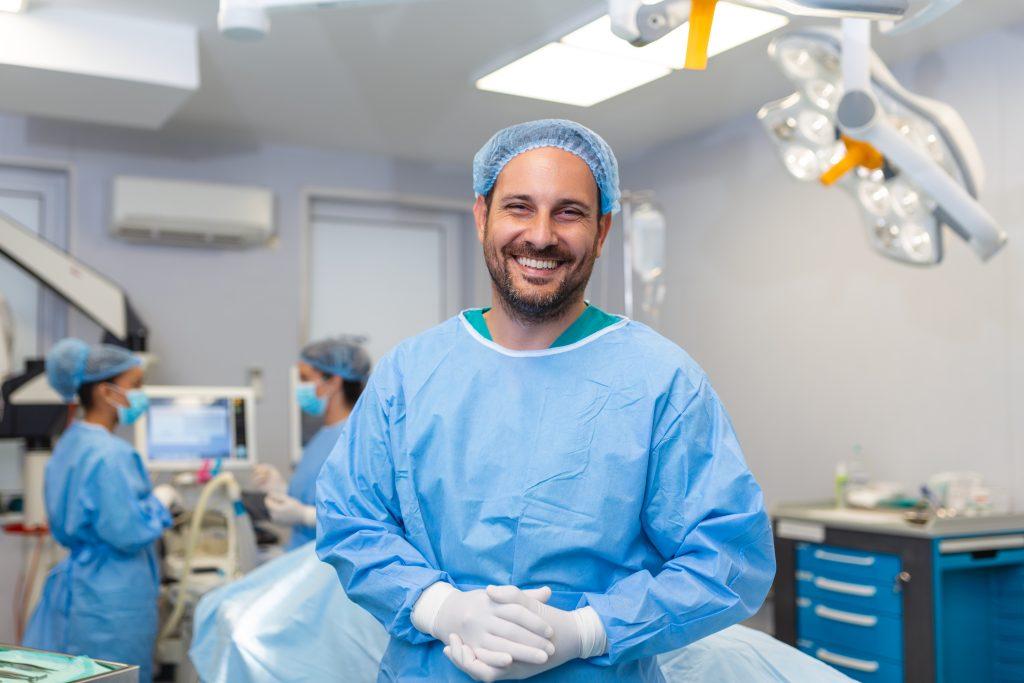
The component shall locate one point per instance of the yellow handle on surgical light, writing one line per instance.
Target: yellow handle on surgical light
(858, 153)
(702, 16)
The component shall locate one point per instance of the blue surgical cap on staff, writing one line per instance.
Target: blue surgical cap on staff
(72, 363)
(568, 135)
(343, 356)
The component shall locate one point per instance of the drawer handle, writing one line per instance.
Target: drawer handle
(864, 665)
(845, 588)
(865, 620)
(844, 559)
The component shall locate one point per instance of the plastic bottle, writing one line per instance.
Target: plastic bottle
(842, 479)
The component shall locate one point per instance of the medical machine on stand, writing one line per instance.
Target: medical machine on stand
(199, 436)
(32, 412)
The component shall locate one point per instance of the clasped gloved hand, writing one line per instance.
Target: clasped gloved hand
(500, 633)
(575, 635)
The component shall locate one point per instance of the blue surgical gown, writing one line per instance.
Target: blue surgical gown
(102, 600)
(606, 469)
(302, 487)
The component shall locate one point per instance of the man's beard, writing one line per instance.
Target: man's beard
(530, 309)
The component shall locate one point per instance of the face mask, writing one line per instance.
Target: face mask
(138, 404)
(309, 402)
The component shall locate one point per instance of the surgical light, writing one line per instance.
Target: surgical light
(922, 171)
(590, 64)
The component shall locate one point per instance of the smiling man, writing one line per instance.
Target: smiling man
(540, 488)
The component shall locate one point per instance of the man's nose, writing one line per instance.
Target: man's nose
(541, 232)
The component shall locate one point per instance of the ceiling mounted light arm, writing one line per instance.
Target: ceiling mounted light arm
(856, 54)
(641, 22)
(860, 116)
(920, 12)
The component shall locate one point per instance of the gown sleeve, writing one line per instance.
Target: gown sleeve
(359, 523)
(704, 512)
(126, 518)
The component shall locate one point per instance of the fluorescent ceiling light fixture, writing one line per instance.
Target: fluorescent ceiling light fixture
(591, 64)
(560, 73)
(12, 5)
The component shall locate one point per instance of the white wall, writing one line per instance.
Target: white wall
(814, 342)
(212, 314)
(817, 344)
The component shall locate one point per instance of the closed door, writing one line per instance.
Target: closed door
(385, 273)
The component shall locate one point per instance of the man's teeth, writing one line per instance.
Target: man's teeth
(534, 263)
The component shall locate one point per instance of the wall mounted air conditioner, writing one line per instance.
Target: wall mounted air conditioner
(186, 213)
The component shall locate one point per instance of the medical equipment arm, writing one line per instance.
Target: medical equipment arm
(124, 520)
(359, 524)
(860, 116)
(705, 514)
(81, 286)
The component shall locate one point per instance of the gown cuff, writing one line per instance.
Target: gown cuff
(593, 639)
(424, 612)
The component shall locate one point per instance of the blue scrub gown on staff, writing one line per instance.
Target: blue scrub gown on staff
(303, 484)
(606, 469)
(102, 600)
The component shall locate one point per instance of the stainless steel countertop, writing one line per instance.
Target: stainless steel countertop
(893, 522)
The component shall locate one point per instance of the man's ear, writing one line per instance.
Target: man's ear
(480, 216)
(604, 226)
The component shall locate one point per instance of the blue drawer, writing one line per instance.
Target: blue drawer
(853, 565)
(828, 622)
(853, 664)
(867, 598)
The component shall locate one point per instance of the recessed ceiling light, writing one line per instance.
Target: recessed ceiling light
(590, 64)
(561, 73)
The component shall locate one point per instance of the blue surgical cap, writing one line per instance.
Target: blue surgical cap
(72, 363)
(343, 356)
(567, 135)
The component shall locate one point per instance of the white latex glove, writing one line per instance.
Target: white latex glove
(287, 511)
(267, 479)
(499, 633)
(576, 634)
(168, 496)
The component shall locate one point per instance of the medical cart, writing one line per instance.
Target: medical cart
(883, 599)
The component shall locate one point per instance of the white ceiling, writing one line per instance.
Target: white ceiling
(396, 79)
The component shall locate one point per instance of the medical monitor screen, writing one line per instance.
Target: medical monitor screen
(190, 428)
